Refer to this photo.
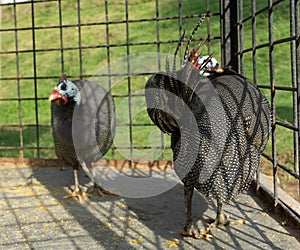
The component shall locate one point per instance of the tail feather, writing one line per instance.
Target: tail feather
(186, 53)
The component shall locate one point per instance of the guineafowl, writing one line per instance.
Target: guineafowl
(219, 124)
(73, 104)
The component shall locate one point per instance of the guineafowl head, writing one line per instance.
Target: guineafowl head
(64, 92)
(207, 65)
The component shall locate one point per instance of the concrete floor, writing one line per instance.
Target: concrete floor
(33, 215)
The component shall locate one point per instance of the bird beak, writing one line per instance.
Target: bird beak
(218, 69)
(55, 96)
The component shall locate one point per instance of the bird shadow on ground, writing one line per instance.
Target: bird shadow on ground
(263, 227)
(118, 222)
(89, 219)
(164, 215)
(128, 223)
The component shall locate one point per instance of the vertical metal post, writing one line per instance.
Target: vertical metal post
(18, 84)
(273, 101)
(61, 37)
(253, 18)
(208, 27)
(79, 38)
(297, 30)
(180, 17)
(241, 37)
(254, 72)
(180, 23)
(157, 31)
(35, 82)
(162, 137)
(294, 83)
(229, 34)
(108, 60)
(129, 82)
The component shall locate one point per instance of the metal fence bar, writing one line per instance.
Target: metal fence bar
(208, 28)
(281, 166)
(79, 39)
(286, 125)
(26, 2)
(254, 59)
(23, 125)
(45, 147)
(229, 36)
(162, 137)
(129, 82)
(266, 45)
(23, 148)
(273, 100)
(55, 77)
(105, 46)
(110, 22)
(294, 84)
(253, 24)
(18, 82)
(35, 81)
(157, 31)
(297, 31)
(108, 59)
(48, 125)
(61, 40)
(241, 36)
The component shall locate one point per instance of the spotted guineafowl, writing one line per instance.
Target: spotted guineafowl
(219, 125)
(78, 95)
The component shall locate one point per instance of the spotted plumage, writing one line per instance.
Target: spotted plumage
(65, 98)
(231, 118)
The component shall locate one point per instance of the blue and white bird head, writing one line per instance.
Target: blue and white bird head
(207, 65)
(65, 91)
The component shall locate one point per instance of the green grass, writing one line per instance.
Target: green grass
(284, 99)
(49, 64)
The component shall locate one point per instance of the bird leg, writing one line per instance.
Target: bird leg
(101, 191)
(77, 192)
(90, 170)
(188, 229)
(223, 219)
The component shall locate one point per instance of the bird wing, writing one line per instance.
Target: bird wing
(247, 103)
(161, 103)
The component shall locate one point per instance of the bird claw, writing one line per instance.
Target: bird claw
(236, 222)
(224, 220)
(101, 191)
(78, 194)
(205, 233)
(189, 231)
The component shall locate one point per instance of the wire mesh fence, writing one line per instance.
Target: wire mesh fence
(271, 60)
(40, 40)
